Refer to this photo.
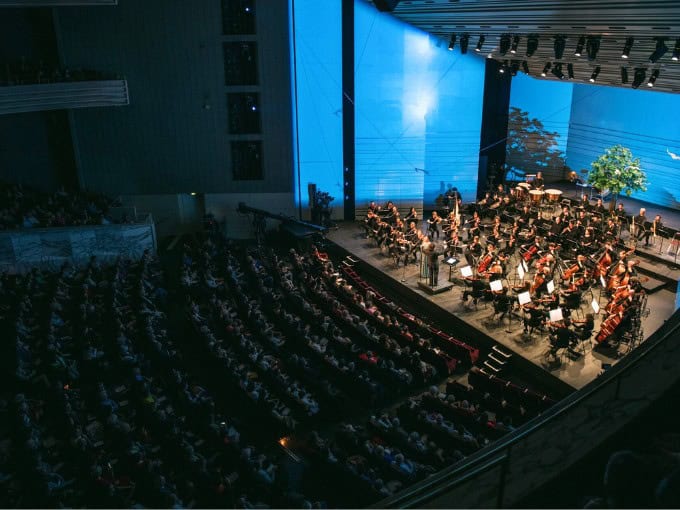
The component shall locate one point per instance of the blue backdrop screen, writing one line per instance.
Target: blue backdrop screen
(318, 52)
(418, 112)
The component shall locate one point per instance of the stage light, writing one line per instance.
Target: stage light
(592, 47)
(464, 43)
(480, 43)
(627, 47)
(570, 71)
(525, 66)
(532, 45)
(653, 77)
(490, 55)
(676, 51)
(505, 44)
(558, 45)
(579, 46)
(514, 67)
(452, 42)
(502, 68)
(557, 71)
(593, 76)
(515, 43)
(659, 52)
(546, 69)
(639, 77)
(624, 75)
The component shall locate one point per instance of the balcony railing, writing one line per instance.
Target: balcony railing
(64, 95)
(54, 3)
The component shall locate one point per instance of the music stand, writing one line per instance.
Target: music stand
(550, 286)
(451, 262)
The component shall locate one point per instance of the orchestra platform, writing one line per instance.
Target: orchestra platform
(581, 365)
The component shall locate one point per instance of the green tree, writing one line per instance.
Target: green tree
(617, 171)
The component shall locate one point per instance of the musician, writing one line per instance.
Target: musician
(478, 286)
(433, 225)
(560, 337)
(538, 181)
(474, 249)
(533, 317)
(640, 230)
(657, 225)
(588, 240)
(611, 230)
(412, 216)
(373, 207)
(599, 207)
(510, 246)
(585, 202)
(584, 328)
(525, 217)
(565, 215)
(556, 229)
(452, 244)
(620, 212)
(473, 225)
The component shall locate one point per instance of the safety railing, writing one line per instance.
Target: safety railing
(510, 469)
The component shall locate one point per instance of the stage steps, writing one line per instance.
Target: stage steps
(497, 361)
(660, 275)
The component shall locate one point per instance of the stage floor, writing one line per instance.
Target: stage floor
(577, 373)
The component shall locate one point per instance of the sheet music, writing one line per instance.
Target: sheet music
(524, 298)
(496, 285)
(520, 271)
(551, 286)
(556, 315)
(466, 271)
(595, 306)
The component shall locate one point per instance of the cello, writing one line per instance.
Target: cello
(485, 263)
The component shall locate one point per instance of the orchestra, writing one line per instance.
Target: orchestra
(575, 245)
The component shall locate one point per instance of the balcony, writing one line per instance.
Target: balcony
(64, 95)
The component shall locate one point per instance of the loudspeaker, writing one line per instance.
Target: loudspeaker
(386, 5)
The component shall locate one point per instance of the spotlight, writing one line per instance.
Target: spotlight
(505, 44)
(558, 45)
(592, 47)
(545, 69)
(676, 51)
(464, 43)
(557, 71)
(480, 43)
(624, 74)
(502, 68)
(525, 66)
(659, 52)
(579, 46)
(653, 77)
(570, 71)
(640, 74)
(515, 43)
(490, 55)
(593, 76)
(532, 45)
(514, 67)
(452, 42)
(627, 47)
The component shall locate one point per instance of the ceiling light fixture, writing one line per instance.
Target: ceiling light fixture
(452, 42)
(546, 68)
(592, 47)
(480, 43)
(464, 43)
(514, 67)
(579, 46)
(624, 74)
(532, 45)
(627, 47)
(593, 76)
(505, 44)
(515, 44)
(570, 71)
(557, 71)
(558, 46)
(660, 50)
(525, 66)
(639, 77)
(653, 77)
(676, 51)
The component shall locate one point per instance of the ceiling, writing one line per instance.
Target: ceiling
(609, 22)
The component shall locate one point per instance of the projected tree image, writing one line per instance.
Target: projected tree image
(530, 148)
(617, 171)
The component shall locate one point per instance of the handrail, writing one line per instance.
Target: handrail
(455, 475)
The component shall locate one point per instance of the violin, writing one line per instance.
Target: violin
(531, 251)
(485, 263)
(538, 281)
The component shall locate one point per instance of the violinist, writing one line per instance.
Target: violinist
(476, 290)
(452, 244)
(533, 317)
(412, 216)
(473, 226)
(585, 203)
(510, 246)
(556, 229)
(561, 336)
(584, 328)
(474, 249)
(525, 217)
(587, 240)
(433, 225)
(565, 215)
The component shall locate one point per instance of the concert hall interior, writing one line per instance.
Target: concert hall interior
(339, 253)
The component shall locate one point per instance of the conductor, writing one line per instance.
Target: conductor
(433, 264)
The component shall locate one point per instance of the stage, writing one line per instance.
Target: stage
(576, 371)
